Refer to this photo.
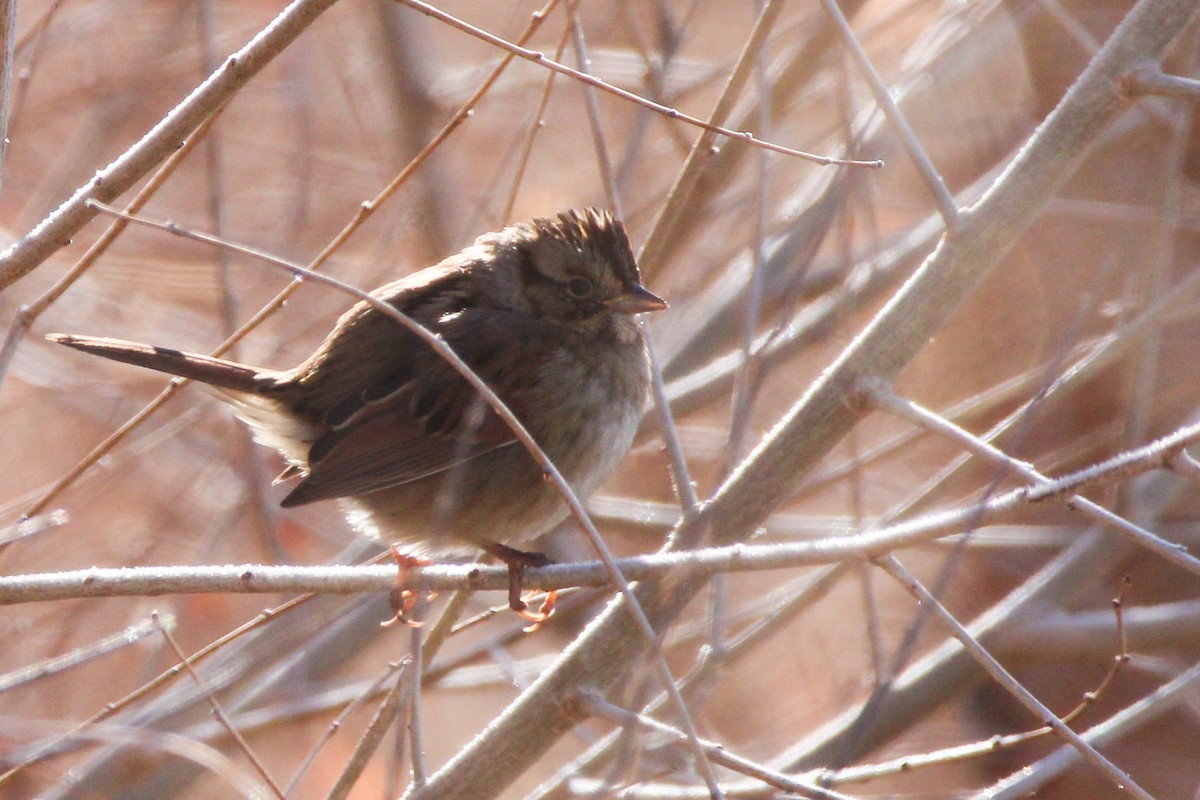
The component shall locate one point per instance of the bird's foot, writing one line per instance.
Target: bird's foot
(517, 561)
(403, 600)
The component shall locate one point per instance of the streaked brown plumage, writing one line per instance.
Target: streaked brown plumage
(541, 310)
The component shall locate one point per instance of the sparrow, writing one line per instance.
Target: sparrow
(543, 311)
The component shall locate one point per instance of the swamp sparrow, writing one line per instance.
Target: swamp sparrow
(542, 311)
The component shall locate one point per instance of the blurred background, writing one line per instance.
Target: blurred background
(773, 266)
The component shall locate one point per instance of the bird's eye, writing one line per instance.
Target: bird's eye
(579, 288)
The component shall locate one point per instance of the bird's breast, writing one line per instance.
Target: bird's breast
(592, 407)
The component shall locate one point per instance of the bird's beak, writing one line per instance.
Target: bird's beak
(636, 300)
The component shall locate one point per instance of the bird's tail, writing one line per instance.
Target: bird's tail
(216, 372)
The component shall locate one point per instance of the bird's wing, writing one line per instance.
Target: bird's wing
(425, 417)
(382, 451)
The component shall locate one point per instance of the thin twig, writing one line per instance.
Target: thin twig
(607, 176)
(1030, 777)
(81, 655)
(218, 711)
(8, 35)
(908, 763)
(33, 40)
(264, 514)
(368, 743)
(933, 180)
(361, 696)
(681, 477)
(415, 732)
(1119, 777)
(539, 122)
